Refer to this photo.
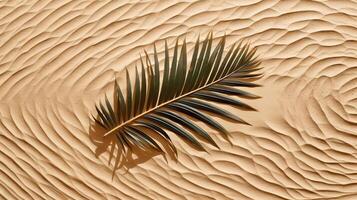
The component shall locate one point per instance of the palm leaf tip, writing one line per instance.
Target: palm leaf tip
(185, 91)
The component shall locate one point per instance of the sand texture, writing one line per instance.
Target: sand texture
(59, 58)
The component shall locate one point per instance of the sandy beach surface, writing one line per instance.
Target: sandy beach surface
(59, 58)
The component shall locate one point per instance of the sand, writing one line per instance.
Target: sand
(59, 58)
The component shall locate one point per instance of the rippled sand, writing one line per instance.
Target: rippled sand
(59, 58)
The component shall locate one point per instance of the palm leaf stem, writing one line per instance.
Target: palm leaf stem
(165, 103)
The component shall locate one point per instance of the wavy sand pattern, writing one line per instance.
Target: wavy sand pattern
(58, 58)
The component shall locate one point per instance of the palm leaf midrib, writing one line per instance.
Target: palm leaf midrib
(167, 102)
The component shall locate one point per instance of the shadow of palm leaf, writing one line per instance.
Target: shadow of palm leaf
(130, 158)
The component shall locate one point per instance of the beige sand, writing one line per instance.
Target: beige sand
(59, 58)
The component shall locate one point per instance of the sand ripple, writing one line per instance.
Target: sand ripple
(58, 58)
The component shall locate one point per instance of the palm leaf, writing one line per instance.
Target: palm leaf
(185, 91)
